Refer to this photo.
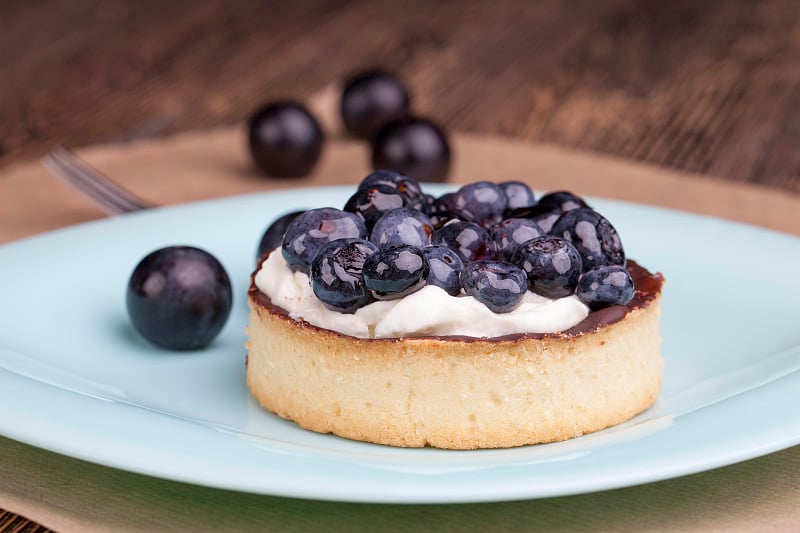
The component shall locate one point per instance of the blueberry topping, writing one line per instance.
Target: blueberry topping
(470, 241)
(370, 203)
(552, 264)
(518, 194)
(593, 236)
(445, 268)
(481, 202)
(314, 229)
(604, 286)
(273, 235)
(562, 200)
(405, 185)
(544, 215)
(285, 140)
(336, 274)
(402, 227)
(413, 146)
(498, 285)
(509, 234)
(179, 297)
(395, 272)
(371, 100)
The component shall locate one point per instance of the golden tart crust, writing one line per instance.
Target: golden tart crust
(458, 392)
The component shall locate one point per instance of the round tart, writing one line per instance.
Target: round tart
(459, 392)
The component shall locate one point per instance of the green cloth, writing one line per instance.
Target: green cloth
(71, 495)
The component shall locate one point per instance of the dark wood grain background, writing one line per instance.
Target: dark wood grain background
(711, 87)
(708, 87)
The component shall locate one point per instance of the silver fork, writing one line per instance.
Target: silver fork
(109, 196)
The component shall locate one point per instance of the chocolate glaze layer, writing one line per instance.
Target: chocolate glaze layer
(646, 284)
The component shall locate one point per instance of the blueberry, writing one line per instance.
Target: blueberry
(395, 272)
(405, 185)
(498, 285)
(544, 215)
(179, 297)
(413, 146)
(336, 274)
(273, 235)
(563, 200)
(518, 194)
(552, 264)
(403, 226)
(509, 234)
(605, 285)
(428, 201)
(445, 268)
(371, 100)
(593, 236)
(313, 229)
(470, 241)
(481, 202)
(372, 202)
(285, 140)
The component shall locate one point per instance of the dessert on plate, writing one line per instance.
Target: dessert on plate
(485, 318)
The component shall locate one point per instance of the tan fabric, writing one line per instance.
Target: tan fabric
(71, 495)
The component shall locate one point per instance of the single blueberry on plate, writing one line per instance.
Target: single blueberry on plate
(413, 146)
(518, 194)
(372, 202)
(498, 285)
(593, 236)
(336, 274)
(604, 286)
(395, 272)
(445, 268)
(371, 100)
(179, 297)
(314, 229)
(273, 235)
(481, 202)
(285, 140)
(563, 200)
(402, 227)
(509, 234)
(552, 264)
(469, 240)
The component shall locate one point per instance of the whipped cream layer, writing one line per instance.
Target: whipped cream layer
(429, 311)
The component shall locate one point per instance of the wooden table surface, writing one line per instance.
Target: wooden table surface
(708, 87)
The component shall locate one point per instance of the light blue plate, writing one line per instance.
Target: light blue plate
(76, 379)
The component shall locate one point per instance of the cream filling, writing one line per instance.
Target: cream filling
(429, 311)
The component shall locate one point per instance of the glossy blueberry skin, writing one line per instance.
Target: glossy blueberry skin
(593, 236)
(336, 274)
(470, 241)
(371, 100)
(481, 202)
(179, 297)
(563, 200)
(414, 146)
(314, 229)
(402, 227)
(395, 272)
(405, 185)
(509, 234)
(553, 266)
(285, 140)
(544, 215)
(445, 268)
(604, 286)
(518, 194)
(273, 235)
(370, 203)
(498, 285)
